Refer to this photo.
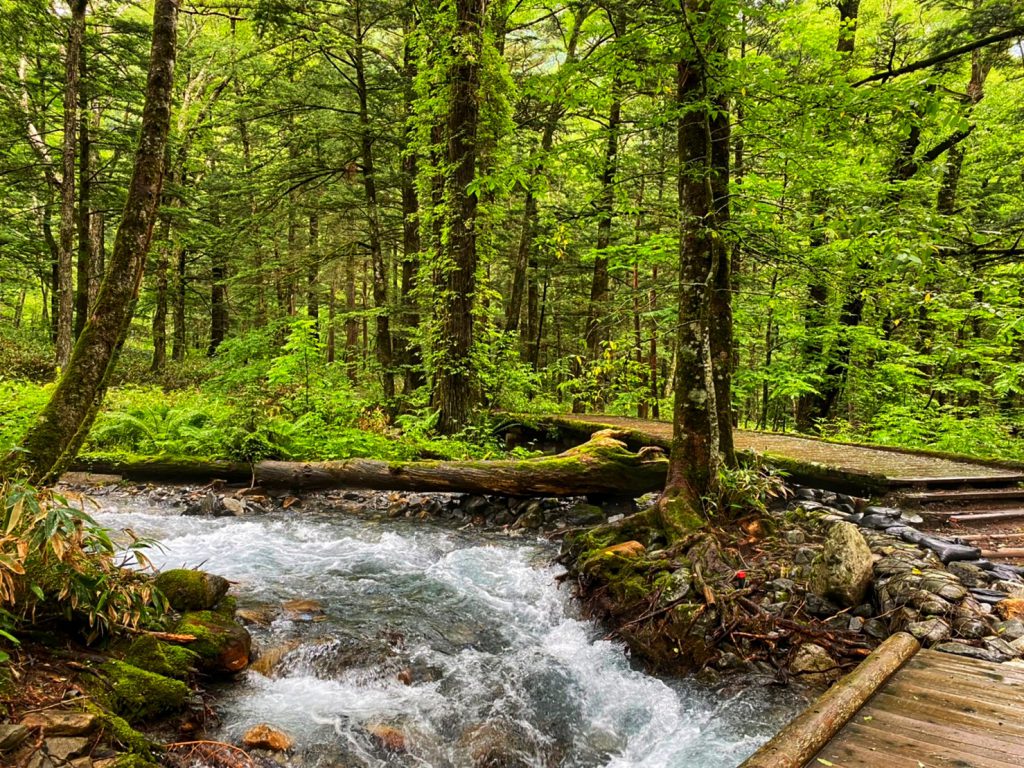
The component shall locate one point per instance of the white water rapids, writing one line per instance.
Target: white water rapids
(478, 622)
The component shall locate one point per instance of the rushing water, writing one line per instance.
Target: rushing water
(490, 648)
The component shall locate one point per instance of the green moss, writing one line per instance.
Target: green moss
(188, 590)
(227, 607)
(120, 733)
(134, 761)
(138, 695)
(152, 655)
(221, 644)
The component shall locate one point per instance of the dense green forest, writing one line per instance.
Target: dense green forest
(389, 217)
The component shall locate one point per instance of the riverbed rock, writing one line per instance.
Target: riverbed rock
(64, 748)
(148, 653)
(189, 590)
(844, 571)
(222, 645)
(963, 649)
(813, 664)
(303, 610)
(1010, 630)
(625, 549)
(489, 745)
(59, 723)
(930, 631)
(12, 735)
(1012, 608)
(388, 737)
(264, 736)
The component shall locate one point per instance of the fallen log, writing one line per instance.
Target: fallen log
(603, 466)
(800, 740)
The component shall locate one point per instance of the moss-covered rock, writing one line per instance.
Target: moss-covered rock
(221, 644)
(138, 695)
(188, 590)
(153, 655)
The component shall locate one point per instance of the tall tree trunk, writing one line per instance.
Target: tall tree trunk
(72, 71)
(527, 233)
(313, 272)
(382, 320)
(351, 322)
(218, 285)
(696, 440)
(159, 326)
(55, 438)
(597, 329)
(180, 287)
(454, 386)
(812, 406)
(84, 289)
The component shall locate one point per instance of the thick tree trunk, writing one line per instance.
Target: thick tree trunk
(454, 385)
(54, 440)
(65, 290)
(603, 466)
(696, 439)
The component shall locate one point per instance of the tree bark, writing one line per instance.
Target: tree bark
(54, 440)
(84, 290)
(65, 290)
(454, 385)
(696, 440)
(382, 320)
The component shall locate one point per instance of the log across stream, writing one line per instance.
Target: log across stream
(603, 466)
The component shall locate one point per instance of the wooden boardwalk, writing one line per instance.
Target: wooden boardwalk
(908, 708)
(939, 710)
(877, 468)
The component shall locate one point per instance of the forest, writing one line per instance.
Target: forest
(330, 276)
(399, 315)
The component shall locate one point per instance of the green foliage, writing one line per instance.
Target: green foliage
(55, 560)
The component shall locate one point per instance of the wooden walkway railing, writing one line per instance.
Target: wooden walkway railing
(903, 707)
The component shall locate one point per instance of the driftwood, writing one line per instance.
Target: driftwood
(807, 733)
(601, 466)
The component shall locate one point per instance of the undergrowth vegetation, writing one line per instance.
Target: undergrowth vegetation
(58, 565)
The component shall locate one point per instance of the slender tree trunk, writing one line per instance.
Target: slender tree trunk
(178, 315)
(218, 286)
(454, 387)
(84, 289)
(812, 406)
(597, 329)
(313, 272)
(382, 320)
(159, 326)
(65, 289)
(524, 251)
(54, 440)
(351, 322)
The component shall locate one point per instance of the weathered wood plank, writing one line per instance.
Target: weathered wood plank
(795, 744)
(996, 672)
(999, 745)
(983, 517)
(947, 713)
(886, 746)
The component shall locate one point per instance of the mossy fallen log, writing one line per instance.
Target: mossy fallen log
(603, 466)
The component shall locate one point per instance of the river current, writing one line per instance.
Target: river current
(453, 638)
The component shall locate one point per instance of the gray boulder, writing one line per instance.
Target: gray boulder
(843, 572)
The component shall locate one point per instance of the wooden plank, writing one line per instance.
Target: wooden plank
(973, 677)
(983, 494)
(998, 745)
(966, 480)
(982, 517)
(940, 679)
(996, 710)
(808, 732)
(947, 712)
(998, 672)
(887, 745)
(1005, 552)
(986, 536)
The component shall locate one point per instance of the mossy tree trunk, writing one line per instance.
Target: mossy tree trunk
(54, 440)
(703, 300)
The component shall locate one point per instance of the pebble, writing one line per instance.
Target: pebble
(11, 736)
(794, 536)
(804, 555)
(1010, 630)
(929, 632)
